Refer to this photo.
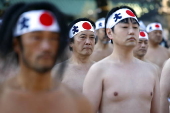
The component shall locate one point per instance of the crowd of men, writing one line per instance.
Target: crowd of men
(112, 65)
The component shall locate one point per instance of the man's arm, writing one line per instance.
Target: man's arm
(165, 87)
(92, 87)
(155, 103)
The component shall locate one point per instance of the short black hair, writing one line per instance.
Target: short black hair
(114, 10)
(12, 15)
(71, 39)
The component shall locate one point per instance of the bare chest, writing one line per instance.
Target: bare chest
(133, 84)
(74, 77)
(28, 103)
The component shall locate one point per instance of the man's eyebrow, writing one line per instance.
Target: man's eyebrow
(82, 34)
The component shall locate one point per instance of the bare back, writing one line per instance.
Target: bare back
(59, 100)
(157, 56)
(74, 75)
(122, 87)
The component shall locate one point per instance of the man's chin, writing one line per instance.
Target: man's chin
(43, 69)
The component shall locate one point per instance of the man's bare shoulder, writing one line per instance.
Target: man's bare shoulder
(150, 67)
(80, 100)
(163, 49)
(58, 67)
(102, 63)
(167, 63)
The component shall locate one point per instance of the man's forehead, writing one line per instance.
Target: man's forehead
(41, 33)
(143, 39)
(86, 32)
(129, 21)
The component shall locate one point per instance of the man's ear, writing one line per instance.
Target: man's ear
(109, 33)
(16, 45)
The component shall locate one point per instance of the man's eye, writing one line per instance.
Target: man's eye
(83, 37)
(36, 37)
(124, 27)
(54, 38)
(139, 42)
(92, 37)
(135, 27)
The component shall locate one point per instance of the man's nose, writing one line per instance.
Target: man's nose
(88, 41)
(143, 45)
(45, 45)
(131, 31)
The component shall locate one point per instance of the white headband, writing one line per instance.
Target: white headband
(36, 20)
(80, 26)
(118, 16)
(153, 26)
(143, 34)
(100, 23)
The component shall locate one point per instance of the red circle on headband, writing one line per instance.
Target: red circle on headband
(142, 34)
(46, 19)
(86, 25)
(130, 13)
(157, 26)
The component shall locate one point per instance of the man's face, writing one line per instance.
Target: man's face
(126, 34)
(155, 36)
(101, 36)
(83, 43)
(141, 48)
(39, 50)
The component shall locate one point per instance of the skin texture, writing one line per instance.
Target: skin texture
(164, 87)
(117, 83)
(33, 90)
(140, 50)
(103, 47)
(80, 62)
(156, 53)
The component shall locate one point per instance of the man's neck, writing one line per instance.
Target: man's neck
(34, 81)
(123, 54)
(153, 45)
(140, 57)
(80, 59)
(101, 45)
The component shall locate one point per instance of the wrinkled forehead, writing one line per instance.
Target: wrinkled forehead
(85, 33)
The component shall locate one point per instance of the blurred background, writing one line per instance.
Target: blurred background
(147, 10)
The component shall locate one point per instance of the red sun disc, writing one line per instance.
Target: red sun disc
(130, 13)
(46, 19)
(86, 25)
(157, 26)
(142, 34)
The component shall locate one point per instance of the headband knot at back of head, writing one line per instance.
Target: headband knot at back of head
(100, 23)
(36, 20)
(120, 15)
(80, 26)
(153, 26)
(143, 34)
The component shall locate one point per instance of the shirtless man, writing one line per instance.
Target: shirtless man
(165, 87)
(141, 48)
(37, 34)
(121, 83)
(102, 48)
(82, 41)
(156, 53)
